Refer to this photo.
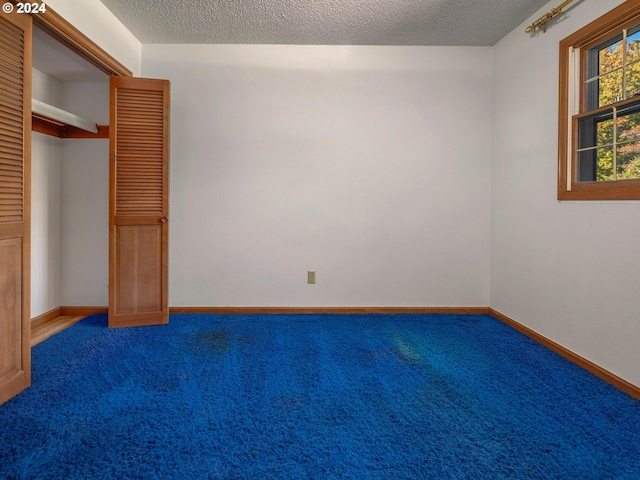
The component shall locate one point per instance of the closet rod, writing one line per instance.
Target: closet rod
(55, 113)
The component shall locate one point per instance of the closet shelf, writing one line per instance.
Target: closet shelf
(54, 121)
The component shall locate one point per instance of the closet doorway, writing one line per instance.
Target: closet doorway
(69, 189)
(138, 202)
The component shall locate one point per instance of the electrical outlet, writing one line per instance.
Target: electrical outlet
(311, 276)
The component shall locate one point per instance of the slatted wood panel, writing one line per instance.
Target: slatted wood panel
(15, 172)
(139, 143)
(12, 84)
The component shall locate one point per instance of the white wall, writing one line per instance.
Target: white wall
(46, 161)
(70, 209)
(85, 201)
(46, 268)
(568, 270)
(370, 165)
(93, 19)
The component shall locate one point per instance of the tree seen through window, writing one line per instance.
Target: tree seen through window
(618, 79)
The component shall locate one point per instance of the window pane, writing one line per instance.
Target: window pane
(605, 164)
(595, 131)
(610, 88)
(628, 124)
(610, 58)
(633, 79)
(633, 46)
(595, 164)
(605, 132)
(628, 161)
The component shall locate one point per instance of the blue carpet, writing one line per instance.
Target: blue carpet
(313, 397)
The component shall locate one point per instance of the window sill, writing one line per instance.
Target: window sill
(615, 190)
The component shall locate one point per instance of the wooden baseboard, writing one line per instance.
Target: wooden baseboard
(83, 311)
(582, 362)
(58, 319)
(76, 311)
(46, 317)
(328, 310)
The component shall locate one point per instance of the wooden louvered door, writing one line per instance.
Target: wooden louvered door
(15, 173)
(139, 202)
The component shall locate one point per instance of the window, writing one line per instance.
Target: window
(599, 112)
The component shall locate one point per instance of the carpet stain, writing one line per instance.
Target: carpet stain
(406, 352)
(213, 342)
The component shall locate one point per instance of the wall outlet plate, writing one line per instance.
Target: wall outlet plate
(311, 276)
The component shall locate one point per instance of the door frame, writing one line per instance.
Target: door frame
(60, 29)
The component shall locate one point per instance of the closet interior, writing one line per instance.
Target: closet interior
(70, 187)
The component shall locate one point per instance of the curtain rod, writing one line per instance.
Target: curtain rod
(541, 23)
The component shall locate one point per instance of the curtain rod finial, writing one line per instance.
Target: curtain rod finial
(542, 21)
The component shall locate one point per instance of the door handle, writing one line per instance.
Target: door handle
(164, 220)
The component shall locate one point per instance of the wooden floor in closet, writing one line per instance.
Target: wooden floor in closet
(39, 333)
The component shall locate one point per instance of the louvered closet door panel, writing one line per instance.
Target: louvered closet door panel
(139, 202)
(15, 170)
(11, 123)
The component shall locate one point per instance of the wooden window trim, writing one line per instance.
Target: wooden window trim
(593, 33)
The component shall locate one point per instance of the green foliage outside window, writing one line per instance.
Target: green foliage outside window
(611, 89)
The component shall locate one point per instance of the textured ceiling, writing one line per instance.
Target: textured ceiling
(323, 22)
